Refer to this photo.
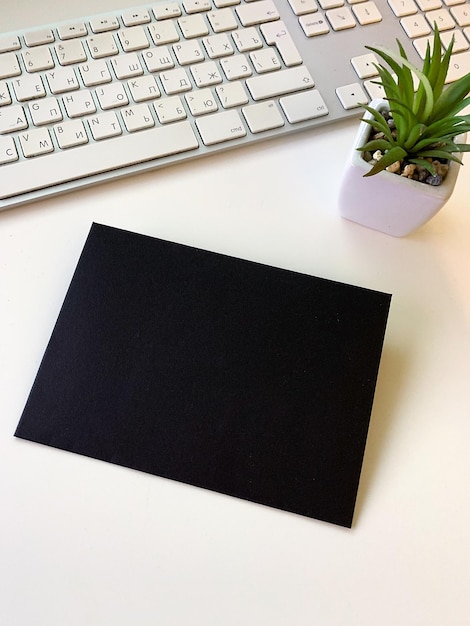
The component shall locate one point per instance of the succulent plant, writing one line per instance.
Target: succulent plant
(425, 111)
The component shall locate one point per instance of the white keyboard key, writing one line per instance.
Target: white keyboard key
(170, 110)
(265, 60)
(135, 18)
(461, 14)
(367, 13)
(225, 3)
(222, 20)
(365, 65)
(314, 25)
(218, 46)
(103, 45)
(280, 83)
(442, 19)
(126, 66)
(302, 7)
(374, 90)
(247, 39)
(38, 59)
(166, 10)
(458, 67)
(163, 33)
(460, 42)
(69, 52)
(28, 87)
(175, 81)
(39, 37)
(71, 31)
(303, 106)
(415, 26)
(79, 103)
(158, 59)
(137, 117)
(45, 111)
(5, 97)
(341, 18)
(187, 52)
(330, 4)
(36, 142)
(97, 158)
(133, 38)
(70, 134)
(112, 96)
(196, 6)
(351, 96)
(232, 95)
(201, 102)
(9, 43)
(429, 5)
(95, 73)
(193, 26)
(206, 74)
(143, 88)
(401, 8)
(263, 116)
(104, 125)
(103, 25)
(257, 13)
(8, 151)
(12, 118)
(276, 34)
(220, 127)
(236, 67)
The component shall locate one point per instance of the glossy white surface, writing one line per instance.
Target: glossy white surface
(87, 543)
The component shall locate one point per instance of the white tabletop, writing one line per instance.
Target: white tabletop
(84, 542)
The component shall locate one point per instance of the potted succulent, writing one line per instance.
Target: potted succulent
(404, 163)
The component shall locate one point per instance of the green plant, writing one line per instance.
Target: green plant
(425, 117)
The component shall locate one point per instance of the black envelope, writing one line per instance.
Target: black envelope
(226, 374)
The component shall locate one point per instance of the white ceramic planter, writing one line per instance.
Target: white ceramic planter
(387, 202)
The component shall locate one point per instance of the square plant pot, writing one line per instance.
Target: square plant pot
(387, 202)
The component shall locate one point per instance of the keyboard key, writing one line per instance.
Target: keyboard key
(103, 45)
(104, 25)
(220, 127)
(36, 142)
(12, 118)
(257, 13)
(247, 39)
(95, 73)
(8, 151)
(166, 10)
(265, 60)
(367, 13)
(263, 116)
(39, 37)
(9, 43)
(314, 25)
(341, 18)
(137, 117)
(232, 95)
(415, 26)
(96, 158)
(28, 88)
(5, 97)
(201, 102)
(222, 20)
(79, 103)
(71, 51)
(104, 126)
(303, 106)
(365, 65)
(133, 38)
(71, 31)
(70, 134)
(134, 18)
(38, 59)
(351, 96)
(279, 83)
(170, 110)
(277, 34)
(401, 8)
(302, 7)
(45, 111)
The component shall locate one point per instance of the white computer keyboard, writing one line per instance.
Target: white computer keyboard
(114, 94)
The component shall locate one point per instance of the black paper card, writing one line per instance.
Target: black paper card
(226, 374)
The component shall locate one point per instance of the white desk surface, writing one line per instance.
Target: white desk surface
(84, 542)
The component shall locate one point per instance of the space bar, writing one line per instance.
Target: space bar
(74, 163)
